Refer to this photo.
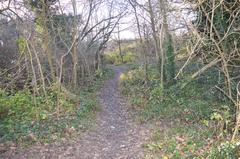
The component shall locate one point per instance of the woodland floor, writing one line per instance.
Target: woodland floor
(115, 136)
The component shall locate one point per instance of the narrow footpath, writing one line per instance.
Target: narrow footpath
(115, 136)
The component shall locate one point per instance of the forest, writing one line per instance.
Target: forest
(120, 79)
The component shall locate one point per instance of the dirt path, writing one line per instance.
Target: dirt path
(116, 135)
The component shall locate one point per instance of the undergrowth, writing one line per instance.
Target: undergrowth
(116, 59)
(26, 119)
(128, 55)
(197, 118)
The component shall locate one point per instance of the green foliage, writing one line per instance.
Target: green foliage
(156, 95)
(189, 103)
(40, 4)
(22, 108)
(132, 79)
(39, 26)
(25, 118)
(115, 58)
(137, 101)
(128, 55)
(180, 141)
(195, 112)
(154, 146)
(99, 73)
(222, 18)
(21, 43)
(226, 150)
(170, 63)
(218, 27)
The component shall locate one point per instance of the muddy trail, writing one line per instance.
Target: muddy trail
(115, 136)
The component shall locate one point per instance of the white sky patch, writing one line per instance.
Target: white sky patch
(125, 23)
(13, 8)
(127, 34)
(180, 16)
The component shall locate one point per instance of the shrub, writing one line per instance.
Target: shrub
(226, 150)
(193, 110)
(115, 58)
(20, 109)
(129, 57)
(133, 77)
(47, 117)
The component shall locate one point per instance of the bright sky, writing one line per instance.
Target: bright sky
(126, 30)
(127, 23)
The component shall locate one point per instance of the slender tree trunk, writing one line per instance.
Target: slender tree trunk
(155, 37)
(141, 41)
(75, 62)
(47, 43)
(168, 50)
(119, 45)
(74, 48)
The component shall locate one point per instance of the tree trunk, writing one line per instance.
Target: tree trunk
(74, 48)
(168, 50)
(119, 45)
(75, 62)
(141, 41)
(155, 37)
